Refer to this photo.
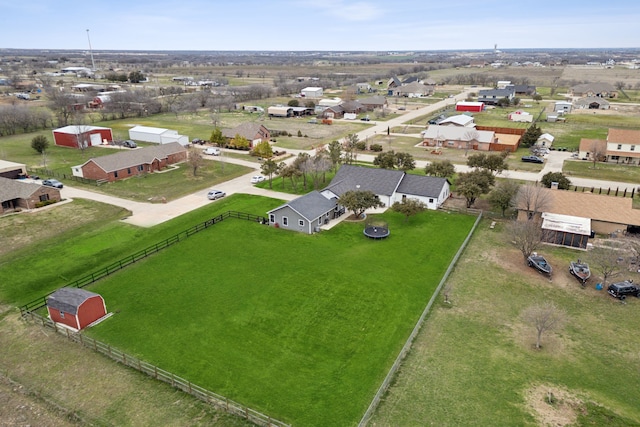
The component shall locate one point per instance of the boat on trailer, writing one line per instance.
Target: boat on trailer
(539, 263)
(580, 270)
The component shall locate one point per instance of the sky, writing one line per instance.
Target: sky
(325, 25)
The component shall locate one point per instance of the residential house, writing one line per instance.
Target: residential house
(125, 164)
(305, 214)
(413, 90)
(373, 103)
(18, 194)
(590, 148)
(592, 103)
(492, 96)
(598, 90)
(522, 90)
(623, 146)
(458, 137)
(333, 112)
(393, 82)
(352, 107)
(607, 214)
(253, 132)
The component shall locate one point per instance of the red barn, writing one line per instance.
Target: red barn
(73, 136)
(75, 307)
(474, 107)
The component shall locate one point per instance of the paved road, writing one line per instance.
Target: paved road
(150, 214)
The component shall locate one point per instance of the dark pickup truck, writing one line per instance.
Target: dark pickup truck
(620, 290)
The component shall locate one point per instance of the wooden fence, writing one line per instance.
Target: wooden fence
(131, 259)
(219, 402)
(50, 173)
(414, 333)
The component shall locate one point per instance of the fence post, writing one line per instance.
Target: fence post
(617, 191)
(625, 192)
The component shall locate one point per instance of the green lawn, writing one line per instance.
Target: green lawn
(602, 171)
(474, 364)
(300, 327)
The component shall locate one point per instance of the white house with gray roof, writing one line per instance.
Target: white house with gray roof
(309, 212)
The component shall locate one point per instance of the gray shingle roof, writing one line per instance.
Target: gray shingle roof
(500, 93)
(247, 130)
(133, 158)
(373, 100)
(425, 186)
(11, 189)
(352, 178)
(69, 299)
(312, 205)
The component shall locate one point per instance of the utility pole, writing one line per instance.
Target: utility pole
(93, 64)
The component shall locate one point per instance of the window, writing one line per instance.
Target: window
(129, 171)
(140, 168)
(44, 197)
(619, 146)
(115, 174)
(301, 222)
(272, 218)
(319, 220)
(450, 143)
(62, 314)
(285, 221)
(430, 200)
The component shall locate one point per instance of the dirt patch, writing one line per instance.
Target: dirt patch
(552, 405)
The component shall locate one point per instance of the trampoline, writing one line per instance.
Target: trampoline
(376, 230)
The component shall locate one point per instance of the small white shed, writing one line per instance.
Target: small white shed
(157, 135)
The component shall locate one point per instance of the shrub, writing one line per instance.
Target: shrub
(45, 203)
(361, 145)
(375, 147)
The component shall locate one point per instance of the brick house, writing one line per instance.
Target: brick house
(17, 194)
(125, 164)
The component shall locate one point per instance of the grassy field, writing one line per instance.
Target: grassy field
(602, 171)
(267, 319)
(474, 362)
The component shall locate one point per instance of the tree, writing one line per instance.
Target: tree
(240, 142)
(606, 262)
(335, 153)
(217, 137)
(440, 168)
(409, 207)
(359, 201)
(537, 97)
(269, 168)
(40, 143)
(564, 183)
(136, 77)
(349, 147)
(530, 136)
(533, 199)
(598, 152)
(544, 317)
(527, 236)
(503, 102)
(293, 103)
(195, 160)
(385, 160)
(473, 184)
(405, 162)
(503, 195)
(263, 149)
(492, 162)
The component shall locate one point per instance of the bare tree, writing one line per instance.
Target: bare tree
(606, 262)
(195, 160)
(598, 152)
(544, 317)
(533, 199)
(527, 236)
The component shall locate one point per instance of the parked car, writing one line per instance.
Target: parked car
(212, 151)
(365, 119)
(198, 141)
(215, 194)
(52, 183)
(257, 178)
(532, 159)
(129, 144)
(620, 290)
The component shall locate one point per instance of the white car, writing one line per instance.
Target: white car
(215, 194)
(256, 179)
(212, 151)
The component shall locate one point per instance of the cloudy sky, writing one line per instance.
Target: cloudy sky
(372, 25)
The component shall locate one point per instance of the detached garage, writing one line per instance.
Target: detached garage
(472, 106)
(76, 308)
(81, 136)
(12, 170)
(157, 135)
